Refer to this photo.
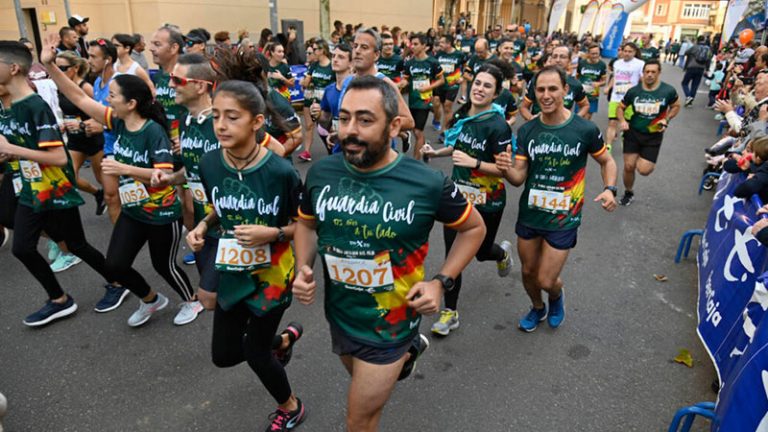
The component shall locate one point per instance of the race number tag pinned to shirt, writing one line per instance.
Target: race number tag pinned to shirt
(133, 194)
(31, 170)
(472, 194)
(198, 192)
(549, 200)
(448, 68)
(234, 258)
(318, 94)
(359, 274)
(422, 83)
(622, 88)
(17, 185)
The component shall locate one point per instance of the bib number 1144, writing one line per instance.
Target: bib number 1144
(549, 200)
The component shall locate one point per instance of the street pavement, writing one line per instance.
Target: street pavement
(608, 368)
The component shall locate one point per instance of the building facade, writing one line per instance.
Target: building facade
(482, 14)
(675, 19)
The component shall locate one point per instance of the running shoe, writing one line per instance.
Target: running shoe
(86, 163)
(145, 310)
(4, 236)
(441, 138)
(294, 331)
(688, 101)
(64, 261)
(407, 141)
(449, 320)
(53, 251)
(418, 346)
(505, 266)
(556, 311)
(305, 156)
(101, 205)
(112, 299)
(532, 319)
(188, 313)
(283, 420)
(51, 311)
(627, 199)
(189, 258)
(436, 125)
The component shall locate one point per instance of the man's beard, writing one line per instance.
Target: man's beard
(369, 155)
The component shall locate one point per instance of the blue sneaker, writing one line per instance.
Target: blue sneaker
(189, 258)
(51, 311)
(64, 261)
(556, 312)
(53, 251)
(112, 299)
(436, 126)
(532, 319)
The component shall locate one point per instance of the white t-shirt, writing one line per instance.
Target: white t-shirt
(626, 74)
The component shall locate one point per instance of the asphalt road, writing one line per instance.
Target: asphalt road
(608, 368)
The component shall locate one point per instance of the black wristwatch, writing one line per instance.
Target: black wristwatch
(447, 282)
(280, 235)
(614, 190)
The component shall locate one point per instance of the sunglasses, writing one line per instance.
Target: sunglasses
(182, 81)
(65, 68)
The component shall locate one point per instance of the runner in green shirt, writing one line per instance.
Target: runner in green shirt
(279, 74)
(592, 73)
(421, 74)
(652, 104)
(369, 212)
(48, 199)
(389, 63)
(551, 161)
(254, 194)
(12, 182)
(478, 133)
(318, 77)
(452, 62)
(575, 98)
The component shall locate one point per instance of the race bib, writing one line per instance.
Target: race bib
(358, 274)
(419, 83)
(133, 194)
(505, 84)
(308, 94)
(198, 192)
(31, 170)
(465, 49)
(549, 200)
(448, 68)
(318, 94)
(588, 88)
(648, 108)
(233, 258)
(335, 125)
(17, 184)
(472, 194)
(622, 88)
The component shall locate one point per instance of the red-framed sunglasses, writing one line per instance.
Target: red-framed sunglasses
(182, 81)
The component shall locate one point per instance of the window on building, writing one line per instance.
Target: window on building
(696, 11)
(661, 10)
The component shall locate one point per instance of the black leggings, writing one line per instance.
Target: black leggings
(128, 237)
(488, 251)
(60, 225)
(239, 335)
(8, 202)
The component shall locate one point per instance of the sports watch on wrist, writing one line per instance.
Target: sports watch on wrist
(280, 235)
(448, 282)
(614, 190)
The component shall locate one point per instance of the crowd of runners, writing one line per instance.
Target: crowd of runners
(201, 150)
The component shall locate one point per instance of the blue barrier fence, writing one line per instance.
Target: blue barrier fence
(732, 309)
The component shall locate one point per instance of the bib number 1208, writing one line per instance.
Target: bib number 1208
(235, 258)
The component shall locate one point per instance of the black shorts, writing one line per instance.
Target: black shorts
(420, 117)
(447, 94)
(205, 261)
(562, 240)
(89, 146)
(344, 345)
(647, 145)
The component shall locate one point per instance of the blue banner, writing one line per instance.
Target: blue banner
(733, 300)
(297, 93)
(614, 36)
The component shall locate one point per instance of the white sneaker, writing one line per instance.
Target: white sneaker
(145, 310)
(189, 311)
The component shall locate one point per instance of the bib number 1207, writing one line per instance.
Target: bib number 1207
(370, 275)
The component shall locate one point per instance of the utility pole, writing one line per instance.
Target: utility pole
(273, 16)
(20, 19)
(325, 19)
(67, 10)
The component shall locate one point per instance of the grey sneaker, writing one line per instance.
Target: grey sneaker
(449, 320)
(505, 266)
(189, 311)
(145, 310)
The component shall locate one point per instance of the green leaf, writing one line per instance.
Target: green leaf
(684, 357)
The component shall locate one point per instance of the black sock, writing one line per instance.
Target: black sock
(154, 299)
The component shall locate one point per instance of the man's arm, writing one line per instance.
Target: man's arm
(53, 156)
(525, 109)
(583, 105)
(609, 172)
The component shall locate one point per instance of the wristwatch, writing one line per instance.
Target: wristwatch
(614, 190)
(280, 235)
(448, 282)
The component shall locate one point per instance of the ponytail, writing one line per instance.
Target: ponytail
(134, 88)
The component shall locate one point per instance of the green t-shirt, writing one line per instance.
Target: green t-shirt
(266, 195)
(197, 139)
(557, 163)
(287, 115)
(391, 67)
(166, 95)
(280, 86)
(590, 73)
(648, 108)
(574, 95)
(519, 48)
(425, 72)
(11, 168)
(322, 77)
(474, 63)
(373, 232)
(44, 187)
(453, 66)
(482, 138)
(507, 102)
(148, 147)
(649, 53)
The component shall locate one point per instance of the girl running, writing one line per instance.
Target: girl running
(477, 132)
